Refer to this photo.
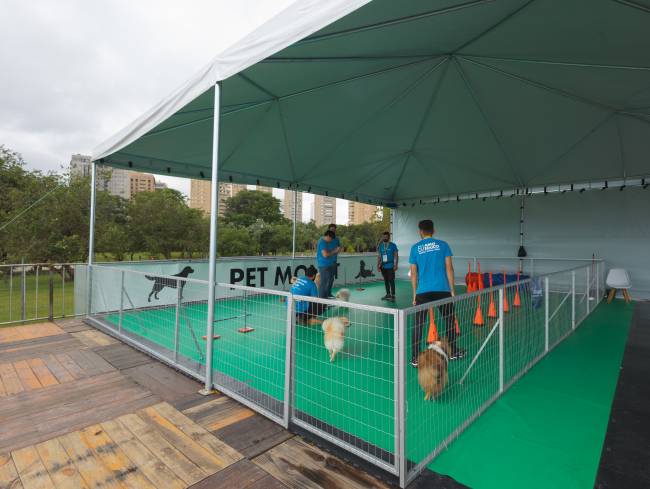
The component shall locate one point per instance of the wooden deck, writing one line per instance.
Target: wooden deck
(79, 409)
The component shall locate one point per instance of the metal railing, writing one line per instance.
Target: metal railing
(362, 393)
(36, 291)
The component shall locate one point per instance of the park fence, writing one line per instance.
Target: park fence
(367, 397)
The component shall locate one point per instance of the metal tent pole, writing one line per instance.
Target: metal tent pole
(293, 239)
(91, 237)
(214, 192)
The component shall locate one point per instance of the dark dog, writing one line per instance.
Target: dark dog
(160, 283)
(363, 271)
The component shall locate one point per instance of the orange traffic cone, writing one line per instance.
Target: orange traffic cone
(506, 307)
(478, 317)
(492, 310)
(517, 301)
(457, 327)
(481, 285)
(433, 331)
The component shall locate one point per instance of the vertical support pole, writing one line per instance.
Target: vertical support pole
(288, 354)
(400, 433)
(546, 294)
(36, 298)
(50, 313)
(597, 282)
(23, 298)
(293, 238)
(588, 296)
(11, 291)
(573, 299)
(177, 320)
(119, 324)
(212, 262)
(501, 340)
(91, 237)
(63, 290)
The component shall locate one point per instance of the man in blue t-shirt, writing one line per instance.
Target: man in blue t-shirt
(306, 312)
(326, 260)
(334, 244)
(387, 263)
(432, 278)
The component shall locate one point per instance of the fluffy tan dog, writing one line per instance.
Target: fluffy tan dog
(432, 369)
(334, 329)
(343, 295)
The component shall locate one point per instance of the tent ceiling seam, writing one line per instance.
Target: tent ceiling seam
(472, 93)
(388, 23)
(252, 128)
(558, 63)
(399, 178)
(385, 163)
(257, 85)
(634, 5)
(286, 142)
(437, 174)
(392, 102)
(328, 171)
(320, 59)
(552, 164)
(496, 25)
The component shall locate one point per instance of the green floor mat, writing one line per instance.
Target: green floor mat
(547, 431)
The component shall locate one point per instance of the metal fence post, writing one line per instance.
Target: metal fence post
(597, 277)
(400, 435)
(11, 291)
(588, 290)
(50, 314)
(288, 355)
(23, 286)
(119, 323)
(546, 294)
(177, 319)
(63, 290)
(501, 348)
(36, 294)
(573, 299)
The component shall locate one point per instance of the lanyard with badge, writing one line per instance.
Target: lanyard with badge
(384, 255)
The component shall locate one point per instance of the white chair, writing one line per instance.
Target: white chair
(618, 278)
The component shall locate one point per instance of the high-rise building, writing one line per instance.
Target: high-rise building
(359, 213)
(287, 207)
(261, 188)
(200, 194)
(112, 180)
(324, 210)
(161, 186)
(141, 182)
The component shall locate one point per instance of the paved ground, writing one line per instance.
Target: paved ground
(79, 409)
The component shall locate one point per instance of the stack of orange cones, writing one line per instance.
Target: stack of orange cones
(492, 310)
(433, 331)
(478, 316)
(506, 307)
(517, 301)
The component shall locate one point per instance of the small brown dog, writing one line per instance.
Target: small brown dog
(432, 369)
(334, 329)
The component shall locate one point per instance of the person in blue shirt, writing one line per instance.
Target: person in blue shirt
(432, 279)
(326, 260)
(307, 312)
(387, 262)
(335, 244)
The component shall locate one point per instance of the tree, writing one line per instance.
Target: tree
(235, 241)
(249, 206)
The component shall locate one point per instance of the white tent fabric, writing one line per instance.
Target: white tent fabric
(392, 102)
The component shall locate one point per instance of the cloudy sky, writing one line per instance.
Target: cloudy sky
(74, 72)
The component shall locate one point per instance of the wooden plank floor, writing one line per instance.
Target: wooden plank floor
(79, 409)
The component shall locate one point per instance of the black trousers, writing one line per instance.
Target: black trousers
(421, 321)
(389, 280)
(315, 309)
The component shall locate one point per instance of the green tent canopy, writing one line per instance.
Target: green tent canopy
(394, 101)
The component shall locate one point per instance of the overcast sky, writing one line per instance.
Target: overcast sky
(74, 72)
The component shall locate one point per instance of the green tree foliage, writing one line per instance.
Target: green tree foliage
(249, 206)
(151, 224)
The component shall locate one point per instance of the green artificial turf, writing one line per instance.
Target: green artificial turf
(547, 431)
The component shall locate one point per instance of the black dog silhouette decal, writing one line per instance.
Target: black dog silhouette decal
(363, 271)
(160, 283)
